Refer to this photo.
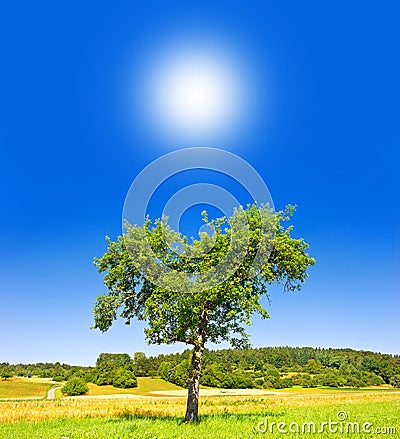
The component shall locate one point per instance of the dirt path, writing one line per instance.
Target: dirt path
(114, 396)
(52, 392)
(182, 394)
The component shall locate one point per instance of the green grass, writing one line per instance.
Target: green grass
(58, 394)
(145, 386)
(226, 426)
(24, 388)
(319, 389)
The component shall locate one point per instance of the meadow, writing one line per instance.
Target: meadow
(19, 387)
(145, 386)
(103, 414)
(221, 418)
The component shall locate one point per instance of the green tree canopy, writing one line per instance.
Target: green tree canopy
(108, 362)
(5, 373)
(124, 379)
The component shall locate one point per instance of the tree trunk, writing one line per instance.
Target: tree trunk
(192, 407)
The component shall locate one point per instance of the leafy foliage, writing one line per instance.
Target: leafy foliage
(124, 379)
(226, 308)
(74, 386)
(308, 367)
(115, 369)
(107, 362)
(5, 373)
(395, 380)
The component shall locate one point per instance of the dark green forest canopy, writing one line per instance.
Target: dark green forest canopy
(246, 365)
(267, 367)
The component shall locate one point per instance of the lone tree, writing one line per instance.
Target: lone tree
(5, 373)
(200, 290)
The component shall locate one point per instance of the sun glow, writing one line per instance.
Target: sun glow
(195, 93)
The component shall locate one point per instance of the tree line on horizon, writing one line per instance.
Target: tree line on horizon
(269, 367)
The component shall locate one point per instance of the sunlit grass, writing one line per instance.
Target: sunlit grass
(215, 421)
(326, 389)
(24, 387)
(145, 385)
(12, 411)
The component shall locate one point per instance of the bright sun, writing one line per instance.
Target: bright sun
(195, 93)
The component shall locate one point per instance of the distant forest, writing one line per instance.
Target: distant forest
(271, 367)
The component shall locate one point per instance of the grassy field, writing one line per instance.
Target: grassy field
(24, 387)
(223, 419)
(145, 386)
(17, 388)
(233, 416)
(79, 408)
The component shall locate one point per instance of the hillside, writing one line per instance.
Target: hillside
(269, 367)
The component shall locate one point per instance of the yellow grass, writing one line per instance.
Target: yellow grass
(145, 386)
(20, 387)
(11, 411)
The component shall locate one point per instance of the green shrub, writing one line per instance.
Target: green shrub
(276, 383)
(303, 380)
(241, 381)
(58, 378)
(271, 371)
(287, 382)
(124, 379)
(182, 371)
(374, 380)
(5, 373)
(259, 382)
(75, 386)
(395, 381)
(352, 381)
(163, 370)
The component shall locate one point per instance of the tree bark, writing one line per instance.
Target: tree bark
(192, 407)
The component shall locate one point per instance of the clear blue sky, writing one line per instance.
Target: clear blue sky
(323, 132)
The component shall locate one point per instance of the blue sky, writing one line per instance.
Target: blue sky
(321, 126)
